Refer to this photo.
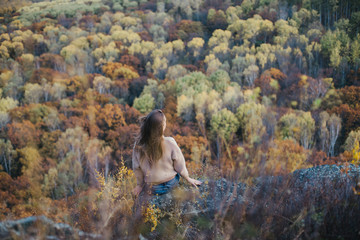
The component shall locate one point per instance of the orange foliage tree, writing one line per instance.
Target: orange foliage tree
(351, 96)
(46, 73)
(77, 85)
(52, 61)
(13, 195)
(268, 81)
(22, 134)
(110, 116)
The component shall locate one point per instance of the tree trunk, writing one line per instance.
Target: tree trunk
(218, 150)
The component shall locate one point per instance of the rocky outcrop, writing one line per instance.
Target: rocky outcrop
(315, 203)
(40, 227)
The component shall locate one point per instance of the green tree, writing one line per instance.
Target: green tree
(355, 53)
(250, 116)
(223, 125)
(220, 80)
(233, 97)
(175, 72)
(335, 45)
(158, 33)
(299, 126)
(237, 70)
(354, 23)
(265, 55)
(185, 107)
(207, 104)
(307, 130)
(145, 103)
(351, 140)
(191, 84)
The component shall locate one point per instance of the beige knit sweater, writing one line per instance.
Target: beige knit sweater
(164, 169)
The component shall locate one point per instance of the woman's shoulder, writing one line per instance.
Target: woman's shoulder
(170, 140)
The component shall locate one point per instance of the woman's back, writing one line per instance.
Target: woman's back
(164, 169)
(157, 159)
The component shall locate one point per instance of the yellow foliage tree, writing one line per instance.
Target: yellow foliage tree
(118, 70)
(31, 159)
(285, 156)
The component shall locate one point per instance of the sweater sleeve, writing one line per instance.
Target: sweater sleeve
(136, 168)
(179, 160)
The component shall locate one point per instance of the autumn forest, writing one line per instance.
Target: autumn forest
(249, 88)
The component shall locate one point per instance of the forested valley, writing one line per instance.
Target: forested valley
(249, 88)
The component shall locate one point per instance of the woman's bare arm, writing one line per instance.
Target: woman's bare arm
(180, 165)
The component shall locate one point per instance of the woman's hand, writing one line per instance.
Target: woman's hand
(193, 182)
(136, 191)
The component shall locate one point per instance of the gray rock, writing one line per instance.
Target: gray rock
(40, 227)
(313, 203)
(321, 197)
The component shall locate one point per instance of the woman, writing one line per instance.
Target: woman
(157, 160)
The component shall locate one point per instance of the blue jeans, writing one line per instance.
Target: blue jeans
(165, 187)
